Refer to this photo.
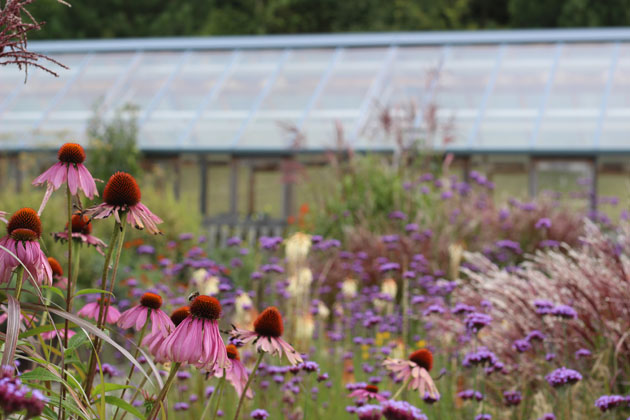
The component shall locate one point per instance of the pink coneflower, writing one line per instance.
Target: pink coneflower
(82, 231)
(91, 310)
(122, 194)
(415, 372)
(268, 329)
(57, 272)
(236, 374)
(27, 322)
(154, 341)
(49, 335)
(369, 392)
(24, 229)
(3, 216)
(69, 169)
(197, 340)
(149, 306)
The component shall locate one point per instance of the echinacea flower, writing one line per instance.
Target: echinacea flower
(416, 372)
(59, 333)
(24, 230)
(122, 195)
(401, 410)
(196, 340)
(82, 232)
(149, 307)
(368, 392)
(69, 169)
(3, 216)
(91, 311)
(155, 341)
(268, 329)
(57, 272)
(236, 374)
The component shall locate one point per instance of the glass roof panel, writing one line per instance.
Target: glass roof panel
(616, 124)
(513, 106)
(286, 103)
(575, 101)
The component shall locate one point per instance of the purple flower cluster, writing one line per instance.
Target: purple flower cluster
(470, 394)
(608, 402)
(15, 397)
(564, 311)
(483, 356)
(476, 321)
(521, 346)
(369, 412)
(563, 376)
(259, 414)
(512, 398)
(401, 410)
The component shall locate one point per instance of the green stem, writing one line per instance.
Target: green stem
(19, 280)
(402, 388)
(220, 389)
(306, 397)
(158, 403)
(209, 402)
(249, 381)
(62, 412)
(96, 347)
(135, 394)
(131, 368)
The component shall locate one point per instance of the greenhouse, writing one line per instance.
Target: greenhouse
(509, 99)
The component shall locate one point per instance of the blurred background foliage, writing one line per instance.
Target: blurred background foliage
(142, 18)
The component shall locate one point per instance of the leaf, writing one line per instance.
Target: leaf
(107, 387)
(118, 402)
(92, 291)
(40, 374)
(55, 290)
(92, 329)
(76, 341)
(44, 328)
(13, 330)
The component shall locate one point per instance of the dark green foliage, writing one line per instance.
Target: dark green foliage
(142, 18)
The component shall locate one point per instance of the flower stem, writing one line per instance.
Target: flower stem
(249, 381)
(158, 403)
(402, 388)
(108, 257)
(19, 280)
(131, 368)
(219, 396)
(62, 412)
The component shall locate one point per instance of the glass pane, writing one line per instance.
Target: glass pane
(576, 95)
(616, 125)
(513, 106)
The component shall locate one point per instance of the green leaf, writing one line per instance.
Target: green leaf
(92, 291)
(76, 341)
(55, 290)
(45, 328)
(107, 387)
(40, 374)
(118, 402)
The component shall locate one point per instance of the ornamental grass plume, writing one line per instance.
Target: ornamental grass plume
(22, 241)
(122, 196)
(69, 169)
(267, 335)
(414, 373)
